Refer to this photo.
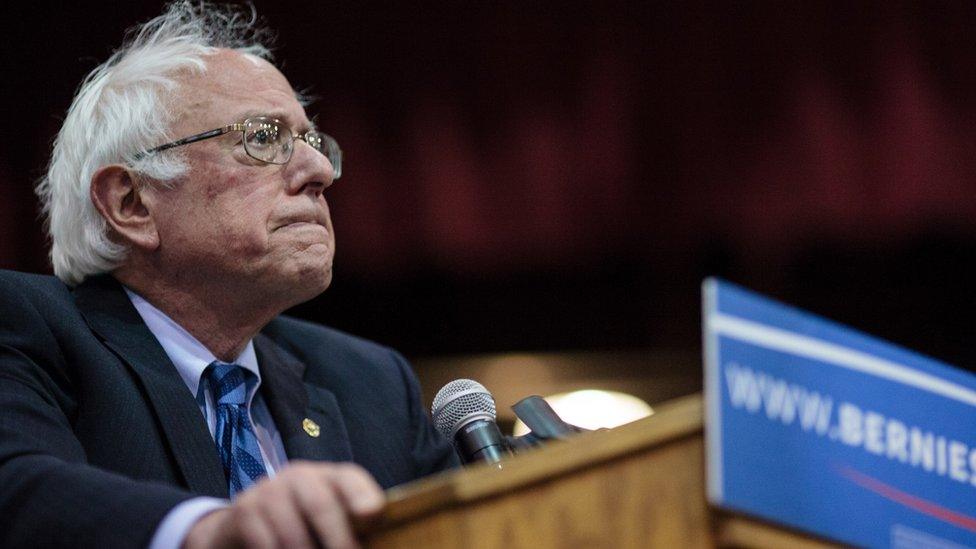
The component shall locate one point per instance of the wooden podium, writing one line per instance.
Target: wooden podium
(640, 485)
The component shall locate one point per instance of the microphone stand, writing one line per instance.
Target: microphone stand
(543, 422)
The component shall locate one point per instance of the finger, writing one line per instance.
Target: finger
(282, 513)
(358, 490)
(324, 511)
(247, 527)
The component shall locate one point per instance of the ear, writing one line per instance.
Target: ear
(117, 195)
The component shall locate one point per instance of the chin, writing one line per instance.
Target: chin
(308, 283)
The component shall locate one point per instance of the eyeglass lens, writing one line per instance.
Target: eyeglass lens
(262, 140)
(267, 140)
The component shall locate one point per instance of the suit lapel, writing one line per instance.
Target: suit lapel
(291, 401)
(111, 315)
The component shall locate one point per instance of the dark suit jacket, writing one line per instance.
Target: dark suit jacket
(100, 438)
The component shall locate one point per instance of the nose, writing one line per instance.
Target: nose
(308, 171)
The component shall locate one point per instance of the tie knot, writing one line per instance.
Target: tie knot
(229, 382)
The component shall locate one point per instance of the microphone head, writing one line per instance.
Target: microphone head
(460, 402)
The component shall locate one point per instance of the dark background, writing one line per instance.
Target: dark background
(561, 176)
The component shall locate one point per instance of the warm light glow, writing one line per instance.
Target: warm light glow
(594, 409)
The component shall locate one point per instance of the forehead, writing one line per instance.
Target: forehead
(234, 86)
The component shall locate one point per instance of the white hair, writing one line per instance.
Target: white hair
(123, 108)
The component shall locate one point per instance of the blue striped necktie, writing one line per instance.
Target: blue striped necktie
(236, 441)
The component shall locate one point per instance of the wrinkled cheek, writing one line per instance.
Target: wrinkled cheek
(244, 245)
(217, 187)
(210, 194)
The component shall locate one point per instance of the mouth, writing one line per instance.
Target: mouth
(302, 226)
(299, 222)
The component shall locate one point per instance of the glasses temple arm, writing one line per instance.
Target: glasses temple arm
(193, 139)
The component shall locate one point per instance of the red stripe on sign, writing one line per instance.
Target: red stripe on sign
(914, 502)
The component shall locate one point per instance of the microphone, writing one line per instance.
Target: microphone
(464, 412)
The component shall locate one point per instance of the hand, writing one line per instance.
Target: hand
(307, 504)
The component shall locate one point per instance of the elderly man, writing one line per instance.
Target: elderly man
(153, 395)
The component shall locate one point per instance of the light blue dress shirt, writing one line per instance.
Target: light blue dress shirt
(191, 358)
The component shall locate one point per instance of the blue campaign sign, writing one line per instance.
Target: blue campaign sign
(817, 426)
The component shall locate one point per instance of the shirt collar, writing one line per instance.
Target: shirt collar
(189, 356)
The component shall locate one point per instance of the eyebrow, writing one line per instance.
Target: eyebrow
(305, 125)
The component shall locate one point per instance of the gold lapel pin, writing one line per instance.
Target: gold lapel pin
(311, 427)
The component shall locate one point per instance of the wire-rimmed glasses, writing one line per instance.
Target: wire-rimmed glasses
(268, 140)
